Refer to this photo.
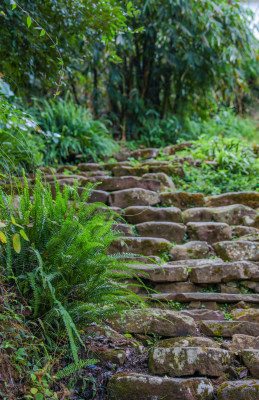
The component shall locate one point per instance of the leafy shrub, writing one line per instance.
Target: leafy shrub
(57, 252)
(70, 131)
(237, 167)
(160, 133)
(20, 146)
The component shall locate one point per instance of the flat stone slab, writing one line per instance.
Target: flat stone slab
(130, 197)
(247, 314)
(250, 199)
(168, 230)
(89, 167)
(198, 341)
(145, 246)
(225, 272)
(124, 229)
(161, 322)
(204, 315)
(127, 386)
(163, 273)
(112, 184)
(182, 200)
(239, 390)
(139, 214)
(207, 297)
(97, 196)
(187, 361)
(238, 250)
(228, 328)
(241, 342)
(165, 180)
(127, 171)
(145, 153)
(232, 215)
(191, 250)
(210, 232)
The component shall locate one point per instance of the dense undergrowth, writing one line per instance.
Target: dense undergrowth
(54, 256)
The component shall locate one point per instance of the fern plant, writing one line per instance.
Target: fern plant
(57, 252)
(70, 131)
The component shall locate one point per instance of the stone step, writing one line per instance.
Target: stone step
(134, 386)
(182, 200)
(207, 297)
(174, 271)
(239, 390)
(189, 341)
(193, 249)
(225, 272)
(210, 232)
(232, 214)
(166, 323)
(133, 197)
(227, 329)
(145, 246)
(237, 250)
(250, 199)
(167, 230)
(112, 184)
(139, 214)
(189, 361)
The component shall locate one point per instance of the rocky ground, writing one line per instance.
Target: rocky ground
(199, 337)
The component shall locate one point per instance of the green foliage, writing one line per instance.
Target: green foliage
(63, 269)
(75, 25)
(236, 169)
(20, 140)
(186, 60)
(70, 131)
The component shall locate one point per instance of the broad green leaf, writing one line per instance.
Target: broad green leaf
(42, 33)
(3, 237)
(13, 220)
(23, 234)
(14, 6)
(29, 21)
(39, 396)
(17, 243)
(34, 390)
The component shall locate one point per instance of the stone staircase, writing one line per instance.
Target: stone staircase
(200, 267)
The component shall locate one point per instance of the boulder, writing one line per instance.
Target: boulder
(229, 328)
(168, 230)
(165, 180)
(155, 321)
(193, 249)
(210, 232)
(232, 215)
(249, 199)
(129, 197)
(252, 221)
(239, 390)
(140, 245)
(174, 148)
(187, 361)
(239, 250)
(126, 386)
(182, 200)
(139, 214)
(225, 272)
